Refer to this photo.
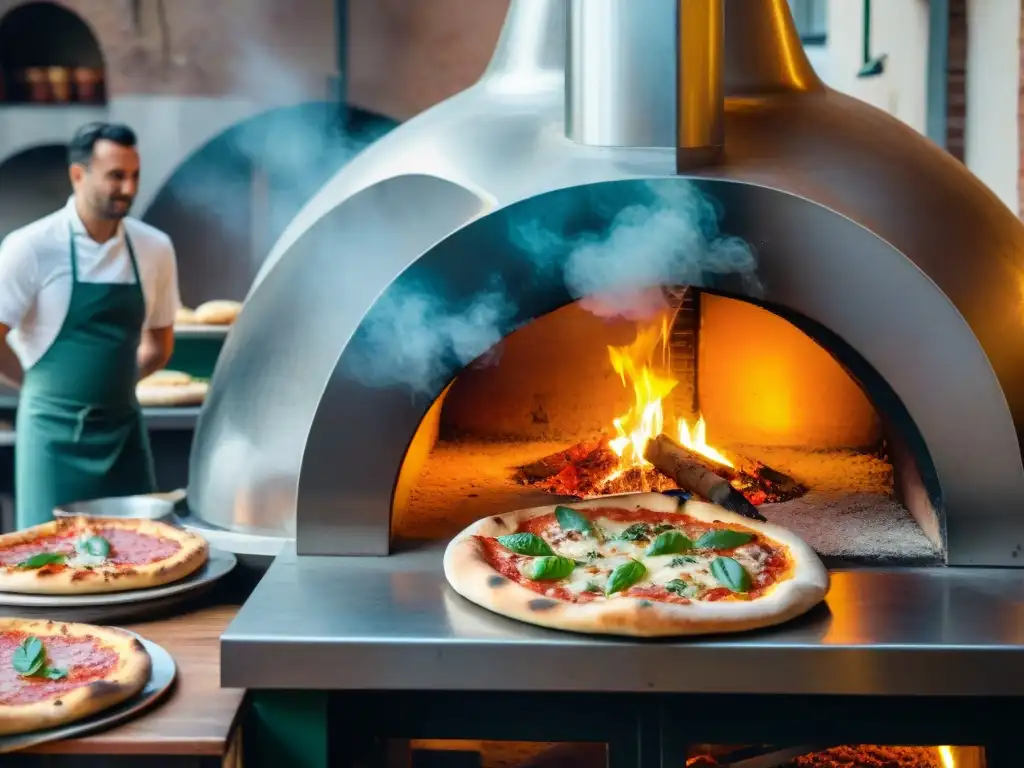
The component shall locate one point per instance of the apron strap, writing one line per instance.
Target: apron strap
(128, 244)
(131, 255)
(74, 255)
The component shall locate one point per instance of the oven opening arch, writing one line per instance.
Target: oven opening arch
(811, 262)
(529, 423)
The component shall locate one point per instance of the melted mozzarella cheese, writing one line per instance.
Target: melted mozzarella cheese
(592, 573)
(82, 558)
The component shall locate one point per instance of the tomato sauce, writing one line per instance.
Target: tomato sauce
(84, 659)
(126, 547)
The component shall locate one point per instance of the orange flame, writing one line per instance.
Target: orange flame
(946, 755)
(645, 420)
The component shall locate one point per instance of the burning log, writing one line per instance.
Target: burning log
(591, 468)
(698, 475)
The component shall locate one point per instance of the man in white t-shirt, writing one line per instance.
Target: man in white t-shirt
(87, 304)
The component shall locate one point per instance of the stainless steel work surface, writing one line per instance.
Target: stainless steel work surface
(392, 623)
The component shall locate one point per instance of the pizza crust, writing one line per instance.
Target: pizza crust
(219, 312)
(191, 556)
(471, 575)
(185, 316)
(125, 680)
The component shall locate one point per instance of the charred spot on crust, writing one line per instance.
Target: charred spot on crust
(103, 688)
(498, 521)
(137, 646)
(58, 703)
(541, 604)
(496, 581)
(646, 604)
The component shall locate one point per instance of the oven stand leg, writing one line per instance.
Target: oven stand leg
(1002, 756)
(287, 728)
(640, 746)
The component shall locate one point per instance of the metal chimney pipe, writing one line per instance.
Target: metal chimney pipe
(700, 92)
(619, 79)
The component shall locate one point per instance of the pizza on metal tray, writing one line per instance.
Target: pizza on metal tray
(637, 564)
(52, 673)
(80, 555)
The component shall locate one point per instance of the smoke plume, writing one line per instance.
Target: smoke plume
(670, 238)
(413, 337)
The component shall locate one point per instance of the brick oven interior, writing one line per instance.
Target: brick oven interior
(764, 388)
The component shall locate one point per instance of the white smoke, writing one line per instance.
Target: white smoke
(412, 337)
(671, 239)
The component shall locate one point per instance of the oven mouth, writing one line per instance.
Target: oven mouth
(525, 426)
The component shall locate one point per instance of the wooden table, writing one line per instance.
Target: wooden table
(195, 725)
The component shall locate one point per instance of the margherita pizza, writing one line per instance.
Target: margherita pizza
(638, 564)
(83, 555)
(53, 673)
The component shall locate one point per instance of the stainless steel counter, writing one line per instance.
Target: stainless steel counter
(392, 623)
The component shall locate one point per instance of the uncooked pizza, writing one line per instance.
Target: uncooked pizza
(638, 564)
(52, 673)
(169, 389)
(84, 555)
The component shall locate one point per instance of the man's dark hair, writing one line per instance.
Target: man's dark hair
(81, 146)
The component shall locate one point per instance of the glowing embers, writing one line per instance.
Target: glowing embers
(845, 756)
(642, 455)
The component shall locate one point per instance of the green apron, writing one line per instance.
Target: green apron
(80, 433)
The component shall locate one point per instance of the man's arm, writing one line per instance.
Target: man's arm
(10, 367)
(155, 350)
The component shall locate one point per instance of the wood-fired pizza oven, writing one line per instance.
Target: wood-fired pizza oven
(840, 298)
(837, 298)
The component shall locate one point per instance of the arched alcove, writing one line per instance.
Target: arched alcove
(227, 203)
(33, 183)
(48, 54)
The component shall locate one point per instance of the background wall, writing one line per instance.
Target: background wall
(899, 29)
(993, 78)
(406, 56)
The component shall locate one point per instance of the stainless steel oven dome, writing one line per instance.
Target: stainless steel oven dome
(864, 230)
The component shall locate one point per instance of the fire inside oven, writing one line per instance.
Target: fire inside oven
(509, 755)
(696, 390)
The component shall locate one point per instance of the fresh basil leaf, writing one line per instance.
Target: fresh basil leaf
(525, 544)
(669, 543)
(550, 568)
(625, 576)
(723, 538)
(636, 532)
(95, 545)
(681, 588)
(43, 558)
(571, 520)
(682, 560)
(29, 656)
(731, 574)
(594, 555)
(662, 528)
(54, 673)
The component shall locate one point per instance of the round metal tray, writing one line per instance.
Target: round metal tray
(160, 680)
(117, 606)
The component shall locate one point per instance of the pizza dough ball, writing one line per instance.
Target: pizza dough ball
(185, 316)
(218, 312)
(166, 379)
(170, 388)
